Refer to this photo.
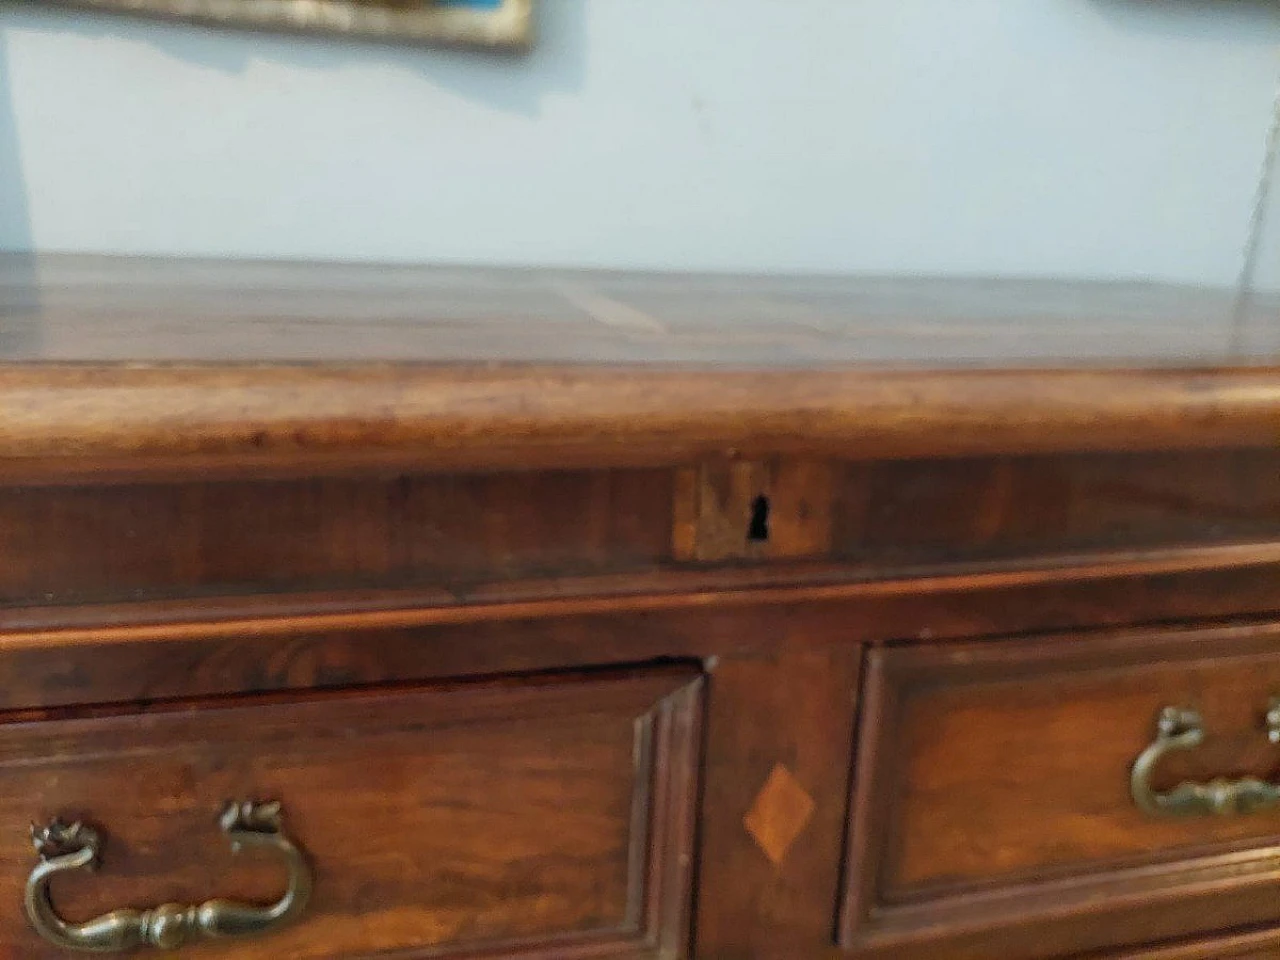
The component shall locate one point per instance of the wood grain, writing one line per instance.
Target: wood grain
(510, 819)
(56, 656)
(129, 309)
(788, 713)
(993, 794)
(77, 544)
(461, 534)
(73, 422)
(973, 508)
(1260, 944)
(253, 367)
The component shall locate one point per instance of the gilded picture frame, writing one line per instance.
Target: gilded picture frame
(490, 24)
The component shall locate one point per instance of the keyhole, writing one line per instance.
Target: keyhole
(758, 529)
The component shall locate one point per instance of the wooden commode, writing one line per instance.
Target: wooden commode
(466, 614)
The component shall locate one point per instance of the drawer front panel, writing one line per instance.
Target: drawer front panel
(993, 795)
(186, 538)
(506, 818)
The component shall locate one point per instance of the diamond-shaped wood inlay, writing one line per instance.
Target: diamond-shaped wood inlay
(778, 814)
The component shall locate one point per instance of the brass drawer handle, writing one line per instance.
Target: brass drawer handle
(64, 847)
(1182, 729)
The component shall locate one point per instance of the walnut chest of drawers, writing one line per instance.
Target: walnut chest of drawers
(458, 614)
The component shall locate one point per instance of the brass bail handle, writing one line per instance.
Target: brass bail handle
(247, 826)
(1180, 729)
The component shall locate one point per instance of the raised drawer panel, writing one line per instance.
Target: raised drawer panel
(993, 801)
(509, 819)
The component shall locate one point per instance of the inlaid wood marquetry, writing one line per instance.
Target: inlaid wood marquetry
(779, 814)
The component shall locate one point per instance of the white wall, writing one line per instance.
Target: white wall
(1065, 137)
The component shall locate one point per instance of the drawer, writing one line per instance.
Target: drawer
(504, 819)
(995, 805)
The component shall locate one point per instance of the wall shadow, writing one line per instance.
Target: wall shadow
(19, 302)
(1238, 22)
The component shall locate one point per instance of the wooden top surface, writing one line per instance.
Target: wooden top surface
(104, 309)
(138, 366)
